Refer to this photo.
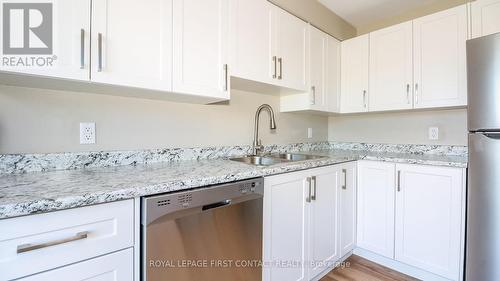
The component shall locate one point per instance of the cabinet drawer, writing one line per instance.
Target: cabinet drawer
(42, 242)
(113, 267)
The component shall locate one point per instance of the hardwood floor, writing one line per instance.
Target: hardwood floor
(360, 269)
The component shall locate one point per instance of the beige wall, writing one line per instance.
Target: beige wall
(317, 14)
(37, 121)
(412, 14)
(401, 127)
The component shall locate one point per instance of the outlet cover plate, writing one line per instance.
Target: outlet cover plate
(87, 133)
(433, 133)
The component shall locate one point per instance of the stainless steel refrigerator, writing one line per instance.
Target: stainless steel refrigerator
(483, 194)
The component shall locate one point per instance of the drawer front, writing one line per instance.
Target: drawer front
(113, 267)
(36, 243)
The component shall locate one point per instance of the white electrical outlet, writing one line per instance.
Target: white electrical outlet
(87, 133)
(434, 133)
(309, 133)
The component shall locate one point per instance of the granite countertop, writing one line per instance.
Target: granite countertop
(39, 192)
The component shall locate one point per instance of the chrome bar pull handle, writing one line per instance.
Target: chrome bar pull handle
(82, 48)
(308, 198)
(344, 186)
(399, 181)
(226, 82)
(99, 52)
(313, 180)
(364, 98)
(31, 247)
(416, 93)
(313, 97)
(408, 93)
(275, 68)
(280, 61)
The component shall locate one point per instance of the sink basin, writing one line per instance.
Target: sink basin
(259, 160)
(273, 159)
(296, 157)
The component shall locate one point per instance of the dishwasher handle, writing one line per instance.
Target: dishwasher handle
(216, 205)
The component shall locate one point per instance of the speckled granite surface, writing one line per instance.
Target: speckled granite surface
(38, 192)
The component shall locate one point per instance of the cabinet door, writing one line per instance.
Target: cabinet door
(70, 41)
(376, 191)
(318, 41)
(285, 227)
(251, 55)
(200, 47)
(324, 248)
(440, 59)
(391, 68)
(332, 81)
(485, 19)
(134, 53)
(113, 267)
(347, 212)
(292, 51)
(429, 218)
(354, 78)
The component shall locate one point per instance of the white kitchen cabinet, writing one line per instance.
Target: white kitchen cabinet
(318, 41)
(112, 267)
(291, 49)
(430, 218)
(485, 19)
(440, 72)
(391, 68)
(301, 224)
(285, 232)
(347, 211)
(324, 247)
(70, 54)
(251, 56)
(324, 66)
(72, 236)
(375, 199)
(355, 74)
(134, 53)
(200, 47)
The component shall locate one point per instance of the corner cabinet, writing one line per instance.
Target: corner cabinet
(412, 218)
(485, 19)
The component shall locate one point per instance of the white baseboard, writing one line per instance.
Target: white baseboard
(398, 266)
(330, 268)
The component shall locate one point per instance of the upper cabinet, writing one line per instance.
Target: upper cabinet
(440, 68)
(391, 68)
(355, 68)
(70, 54)
(132, 53)
(200, 50)
(323, 93)
(290, 50)
(485, 19)
(251, 53)
(413, 65)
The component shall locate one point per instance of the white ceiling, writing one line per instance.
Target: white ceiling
(363, 12)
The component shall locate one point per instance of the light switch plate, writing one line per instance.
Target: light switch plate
(433, 133)
(87, 133)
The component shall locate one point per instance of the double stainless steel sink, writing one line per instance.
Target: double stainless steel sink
(272, 159)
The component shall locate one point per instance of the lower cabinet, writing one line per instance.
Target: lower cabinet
(414, 215)
(302, 226)
(113, 267)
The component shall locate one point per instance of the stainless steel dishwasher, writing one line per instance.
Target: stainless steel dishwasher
(209, 234)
